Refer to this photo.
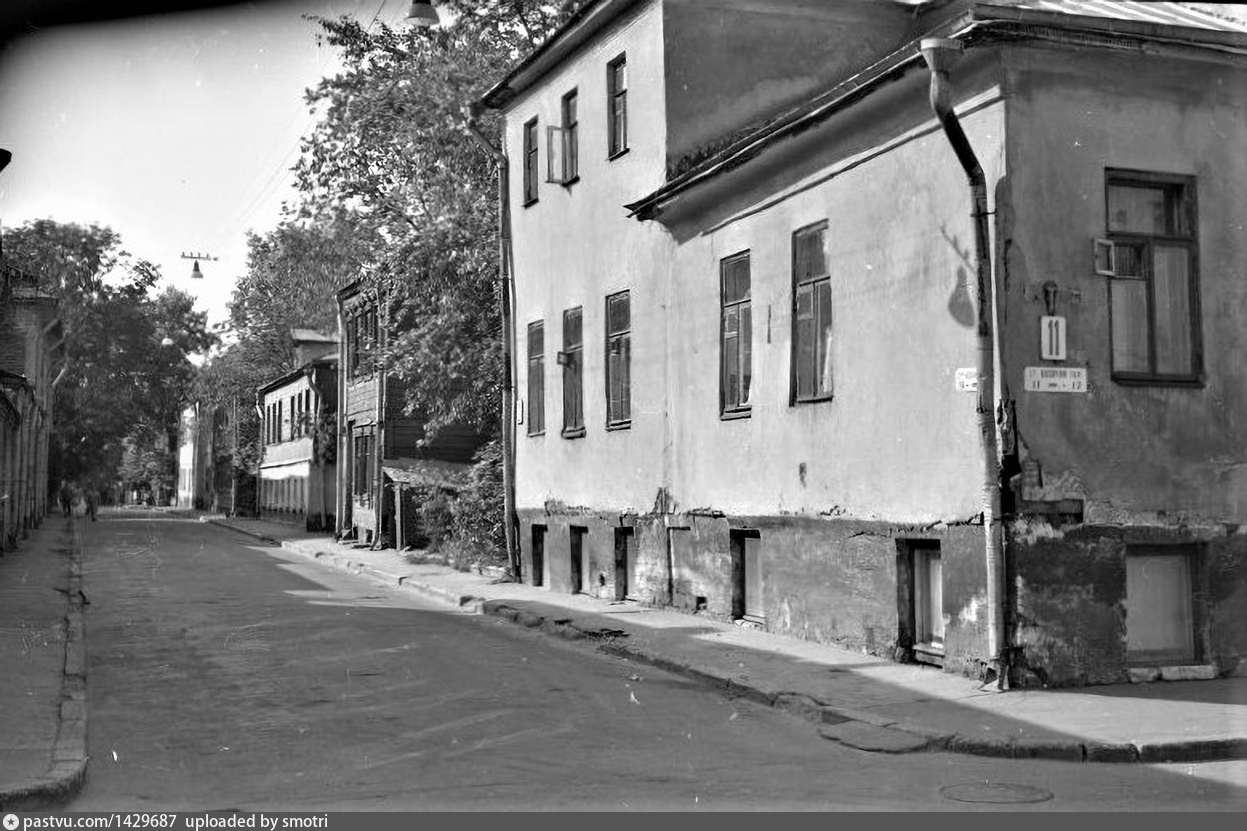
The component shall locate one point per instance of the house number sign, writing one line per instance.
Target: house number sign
(1052, 338)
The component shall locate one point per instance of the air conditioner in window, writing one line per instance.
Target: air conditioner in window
(566, 358)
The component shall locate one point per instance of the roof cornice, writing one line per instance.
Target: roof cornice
(579, 29)
(982, 24)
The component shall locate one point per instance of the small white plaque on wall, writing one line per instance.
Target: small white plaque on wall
(967, 379)
(1055, 379)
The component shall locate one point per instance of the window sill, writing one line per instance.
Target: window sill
(568, 184)
(734, 415)
(1130, 380)
(530, 202)
(611, 157)
(536, 435)
(619, 425)
(799, 401)
(574, 434)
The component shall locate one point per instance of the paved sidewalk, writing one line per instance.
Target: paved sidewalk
(856, 699)
(43, 758)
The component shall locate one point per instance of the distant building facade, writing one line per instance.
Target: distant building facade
(298, 467)
(384, 463)
(31, 350)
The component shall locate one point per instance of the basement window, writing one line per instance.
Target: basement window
(1161, 613)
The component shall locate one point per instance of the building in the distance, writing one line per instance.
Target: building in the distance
(387, 470)
(31, 351)
(298, 461)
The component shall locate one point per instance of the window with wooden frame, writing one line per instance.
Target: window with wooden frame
(563, 144)
(618, 360)
(735, 336)
(536, 378)
(361, 341)
(617, 106)
(571, 359)
(361, 479)
(1153, 278)
(811, 315)
(530, 162)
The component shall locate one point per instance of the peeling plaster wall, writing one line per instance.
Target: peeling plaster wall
(823, 580)
(1071, 611)
(1123, 464)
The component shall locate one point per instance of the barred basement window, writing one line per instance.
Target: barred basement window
(1153, 287)
(618, 360)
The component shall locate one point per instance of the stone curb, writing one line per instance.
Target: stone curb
(907, 739)
(68, 770)
(880, 734)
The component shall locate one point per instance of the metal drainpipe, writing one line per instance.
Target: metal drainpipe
(343, 464)
(940, 55)
(506, 303)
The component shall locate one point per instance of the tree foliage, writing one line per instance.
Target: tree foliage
(127, 370)
(293, 274)
(391, 144)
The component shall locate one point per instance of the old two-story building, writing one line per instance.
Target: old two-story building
(297, 481)
(388, 469)
(31, 350)
(935, 353)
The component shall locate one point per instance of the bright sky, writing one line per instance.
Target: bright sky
(176, 131)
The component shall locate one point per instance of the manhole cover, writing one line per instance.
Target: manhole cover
(995, 792)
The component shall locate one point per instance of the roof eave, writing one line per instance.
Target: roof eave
(577, 30)
(982, 17)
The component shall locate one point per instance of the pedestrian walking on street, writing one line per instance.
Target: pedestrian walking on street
(67, 497)
(93, 502)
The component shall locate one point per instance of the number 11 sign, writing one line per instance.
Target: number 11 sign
(1052, 338)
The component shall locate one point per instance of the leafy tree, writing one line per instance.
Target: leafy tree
(391, 145)
(293, 274)
(127, 368)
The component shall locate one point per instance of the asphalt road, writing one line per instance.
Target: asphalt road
(229, 675)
